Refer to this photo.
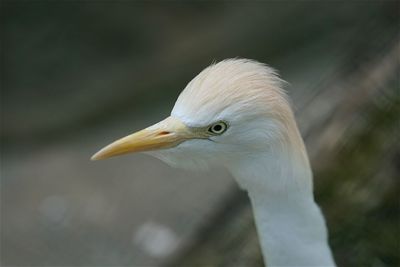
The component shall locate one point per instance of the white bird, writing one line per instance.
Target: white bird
(235, 114)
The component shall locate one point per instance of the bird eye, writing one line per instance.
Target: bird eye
(218, 128)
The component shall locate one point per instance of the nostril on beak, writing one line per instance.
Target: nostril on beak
(164, 133)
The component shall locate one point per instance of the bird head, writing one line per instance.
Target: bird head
(233, 108)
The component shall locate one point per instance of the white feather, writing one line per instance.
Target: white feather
(263, 150)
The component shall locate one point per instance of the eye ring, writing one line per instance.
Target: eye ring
(218, 128)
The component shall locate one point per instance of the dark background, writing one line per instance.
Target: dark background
(76, 75)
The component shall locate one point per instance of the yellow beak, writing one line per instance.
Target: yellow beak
(165, 134)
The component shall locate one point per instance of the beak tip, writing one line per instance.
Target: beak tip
(95, 157)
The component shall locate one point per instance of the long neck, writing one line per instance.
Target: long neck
(290, 225)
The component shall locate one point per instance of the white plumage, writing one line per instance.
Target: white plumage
(236, 114)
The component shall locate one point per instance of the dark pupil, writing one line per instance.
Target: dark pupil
(217, 128)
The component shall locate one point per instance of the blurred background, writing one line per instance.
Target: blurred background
(76, 75)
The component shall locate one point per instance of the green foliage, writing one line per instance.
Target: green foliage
(359, 191)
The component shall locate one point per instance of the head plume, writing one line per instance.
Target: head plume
(240, 87)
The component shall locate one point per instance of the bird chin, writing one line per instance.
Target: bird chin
(178, 159)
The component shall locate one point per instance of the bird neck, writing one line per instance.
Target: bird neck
(290, 225)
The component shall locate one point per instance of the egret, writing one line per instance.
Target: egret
(236, 114)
